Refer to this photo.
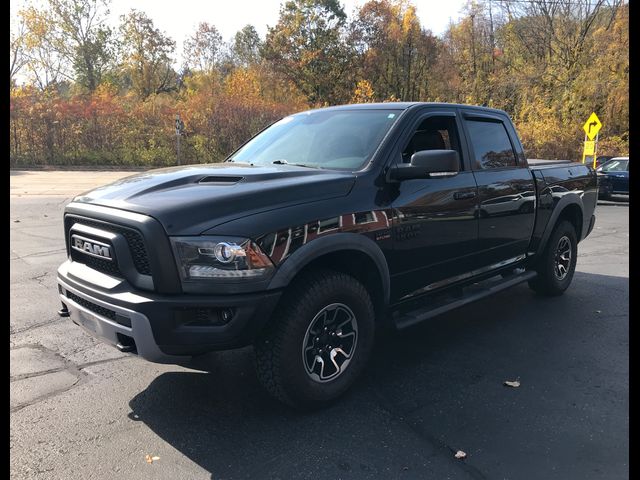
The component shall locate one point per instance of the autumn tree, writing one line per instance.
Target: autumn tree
(469, 47)
(17, 54)
(44, 64)
(146, 55)
(307, 47)
(548, 63)
(395, 52)
(203, 51)
(552, 53)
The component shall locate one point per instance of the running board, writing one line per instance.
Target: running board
(410, 318)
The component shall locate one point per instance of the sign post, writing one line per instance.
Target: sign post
(591, 131)
(179, 131)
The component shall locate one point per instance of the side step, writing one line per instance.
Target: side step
(442, 305)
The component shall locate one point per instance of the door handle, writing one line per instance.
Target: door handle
(463, 195)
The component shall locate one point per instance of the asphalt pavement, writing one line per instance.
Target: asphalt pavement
(81, 409)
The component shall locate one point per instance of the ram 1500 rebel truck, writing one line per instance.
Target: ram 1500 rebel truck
(319, 230)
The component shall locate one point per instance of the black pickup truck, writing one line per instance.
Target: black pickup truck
(317, 232)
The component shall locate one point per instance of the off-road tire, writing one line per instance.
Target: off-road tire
(280, 365)
(547, 281)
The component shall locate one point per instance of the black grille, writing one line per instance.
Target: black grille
(105, 312)
(97, 263)
(138, 251)
(133, 237)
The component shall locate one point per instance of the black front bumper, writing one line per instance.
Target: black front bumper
(158, 327)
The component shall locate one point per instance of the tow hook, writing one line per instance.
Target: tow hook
(64, 311)
(125, 348)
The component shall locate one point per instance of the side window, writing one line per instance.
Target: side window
(616, 166)
(490, 144)
(434, 133)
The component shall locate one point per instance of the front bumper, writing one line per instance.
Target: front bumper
(152, 325)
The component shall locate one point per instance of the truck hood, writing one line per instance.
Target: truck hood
(189, 200)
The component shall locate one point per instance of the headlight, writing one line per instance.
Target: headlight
(219, 258)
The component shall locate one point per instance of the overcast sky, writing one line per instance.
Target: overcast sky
(179, 19)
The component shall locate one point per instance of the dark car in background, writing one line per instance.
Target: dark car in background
(613, 177)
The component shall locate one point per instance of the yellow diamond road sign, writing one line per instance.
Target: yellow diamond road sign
(592, 126)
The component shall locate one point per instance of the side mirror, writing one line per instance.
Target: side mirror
(428, 164)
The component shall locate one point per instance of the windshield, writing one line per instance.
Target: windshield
(335, 139)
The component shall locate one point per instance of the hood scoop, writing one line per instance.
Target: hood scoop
(220, 180)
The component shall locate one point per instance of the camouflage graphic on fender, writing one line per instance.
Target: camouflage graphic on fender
(375, 224)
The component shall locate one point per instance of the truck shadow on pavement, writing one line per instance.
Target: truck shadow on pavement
(428, 392)
(615, 200)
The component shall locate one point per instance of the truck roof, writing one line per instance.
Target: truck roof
(406, 105)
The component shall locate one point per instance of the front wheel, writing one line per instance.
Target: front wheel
(319, 340)
(557, 264)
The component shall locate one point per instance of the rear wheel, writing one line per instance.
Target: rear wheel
(557, 264)
(604, 192)
(319, 340)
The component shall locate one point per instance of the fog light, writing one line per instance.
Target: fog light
(203, 317)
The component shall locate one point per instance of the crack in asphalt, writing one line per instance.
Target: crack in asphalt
(446, 450)
(74, 369)
(41, 373)
(44, 323)
(38, 278)
(37, 254)
(47, 395)
(82, 366)
(67, 366)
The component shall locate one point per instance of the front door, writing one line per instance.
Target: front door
(435, 233)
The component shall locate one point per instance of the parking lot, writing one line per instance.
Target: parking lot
(81, 409)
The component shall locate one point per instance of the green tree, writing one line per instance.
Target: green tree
(246, 46)
(146, 55)
(81, 36)
(203, 51)
(307, 47)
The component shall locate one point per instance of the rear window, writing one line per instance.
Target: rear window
(491, 145)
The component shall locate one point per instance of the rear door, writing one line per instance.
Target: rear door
(506, 188)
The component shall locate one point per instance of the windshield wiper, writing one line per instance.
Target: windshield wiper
(284, 162)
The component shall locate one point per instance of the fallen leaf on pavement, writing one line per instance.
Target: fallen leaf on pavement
(460, 454)
(514, 384)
